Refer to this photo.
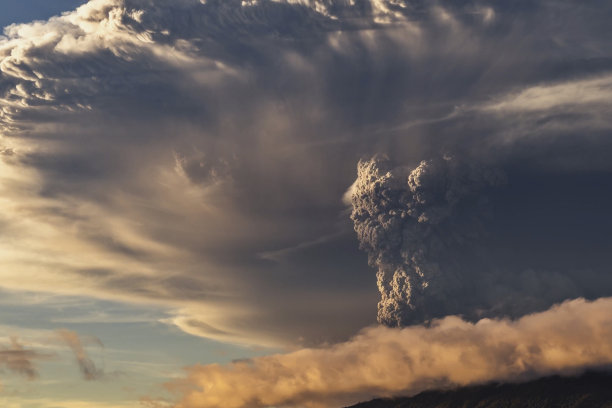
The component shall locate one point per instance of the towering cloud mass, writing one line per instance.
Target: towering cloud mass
(414, 223)
(193, 154)
(160, 151)
(457, 236)
(389, 361)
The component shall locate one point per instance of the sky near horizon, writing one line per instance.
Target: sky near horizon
(231, 204)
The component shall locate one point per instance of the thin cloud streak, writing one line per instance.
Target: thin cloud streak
(86, 365)
(20, 360)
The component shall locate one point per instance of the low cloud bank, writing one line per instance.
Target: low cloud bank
(386, 362)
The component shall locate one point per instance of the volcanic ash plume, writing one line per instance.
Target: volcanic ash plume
(411, 222)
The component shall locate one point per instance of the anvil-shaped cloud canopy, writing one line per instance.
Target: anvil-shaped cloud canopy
(194, 154)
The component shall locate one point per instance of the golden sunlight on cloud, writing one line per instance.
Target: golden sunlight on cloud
(384, 362)
(584, 92)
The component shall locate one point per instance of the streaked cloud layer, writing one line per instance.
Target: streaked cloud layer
(221, 162)
(156, 151)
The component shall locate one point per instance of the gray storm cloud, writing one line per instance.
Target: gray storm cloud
(153, 150)
(411, 222)
(453, 235)
(385, 362)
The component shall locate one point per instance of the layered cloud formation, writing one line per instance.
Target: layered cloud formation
(389, 362)
(194, 154)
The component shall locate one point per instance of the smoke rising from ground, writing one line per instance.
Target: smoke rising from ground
(387, 362)
(476, 237)
(406, 220)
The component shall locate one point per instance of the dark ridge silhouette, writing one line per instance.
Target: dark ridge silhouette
(590, 390)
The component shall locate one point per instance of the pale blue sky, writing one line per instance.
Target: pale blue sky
(21, 11)
(140, 352)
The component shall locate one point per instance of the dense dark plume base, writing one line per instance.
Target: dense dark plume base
(590, 390)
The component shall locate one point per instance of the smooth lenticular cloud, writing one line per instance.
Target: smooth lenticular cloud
(387, 362)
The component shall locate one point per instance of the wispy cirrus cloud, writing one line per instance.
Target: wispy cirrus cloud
(20, 360)
(86, 364)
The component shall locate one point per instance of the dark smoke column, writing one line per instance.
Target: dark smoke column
(412, 223)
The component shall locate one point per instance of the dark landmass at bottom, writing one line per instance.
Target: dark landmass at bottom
(590, 390)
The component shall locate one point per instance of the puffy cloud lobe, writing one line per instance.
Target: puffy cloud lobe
(106, 48)
(77, 60)
(388, 362)
(455, 235)
(406, 220)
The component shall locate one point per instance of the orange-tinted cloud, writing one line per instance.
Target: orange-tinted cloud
(20, 360)
(385, 362)
(86, 365)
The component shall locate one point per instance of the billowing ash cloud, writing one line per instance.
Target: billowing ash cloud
(412, 222)
(385, 362)
(481, 238)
